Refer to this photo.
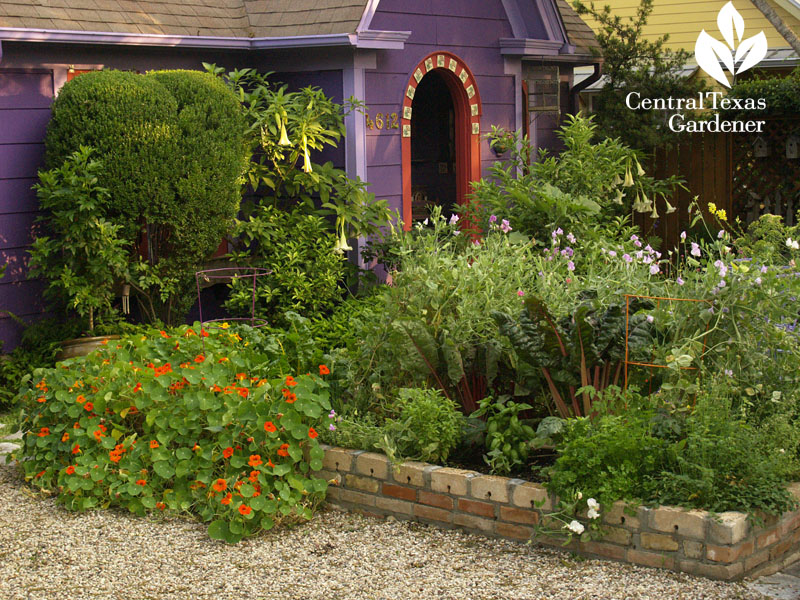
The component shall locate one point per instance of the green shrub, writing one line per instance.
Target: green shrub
(428, 426)
(305, 271)
(180, 420)
(174, 152)
(82, 257)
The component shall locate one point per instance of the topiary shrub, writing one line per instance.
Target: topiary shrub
(173, 147)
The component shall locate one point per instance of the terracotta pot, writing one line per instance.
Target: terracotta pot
(82, 346)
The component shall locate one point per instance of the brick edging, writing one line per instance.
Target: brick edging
(724, 546)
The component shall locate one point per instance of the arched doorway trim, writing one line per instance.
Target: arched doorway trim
(467, 107)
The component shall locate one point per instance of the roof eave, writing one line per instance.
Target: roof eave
(390, 40)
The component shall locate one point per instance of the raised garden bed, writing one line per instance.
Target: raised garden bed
(724, 546)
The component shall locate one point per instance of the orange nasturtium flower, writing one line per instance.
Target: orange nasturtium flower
(65, 437)
(142, 482)
(137, 387)
(160, 505)
(269, 463)
(245, 510)
(312, 433)
(195, 448)
(153, 444)
(70, 470)
(89, 406)
(80, 399)
(164, 334)
(283, 450)
(199, 358)
(242, 391)
(253, 477)
(269, 427)
(255, 460)
(323, 370)
(220, 485)
(228, 452)
(241, 376)
(291, 398)
(43, 432)
(227, 499)
(41, 399)
(290, 381)
(98, 435)
(39, 474)
(115, 456)
(76, 448)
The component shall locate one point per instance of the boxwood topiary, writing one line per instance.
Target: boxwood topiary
(173, 146)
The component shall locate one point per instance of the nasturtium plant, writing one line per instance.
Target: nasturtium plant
(208, 423)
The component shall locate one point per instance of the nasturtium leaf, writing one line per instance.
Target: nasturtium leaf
(163, 469)
(149, 502)
(218, 530)
(235, 526)
(316, 464)
(267, 523)
(247, 490)
(183, 454)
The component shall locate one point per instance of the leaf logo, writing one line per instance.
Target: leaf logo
(710, 52)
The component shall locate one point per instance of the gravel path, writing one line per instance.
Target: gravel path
(49, 553)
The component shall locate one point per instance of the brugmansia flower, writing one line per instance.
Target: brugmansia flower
(639, 169)
(306, 155)
(628, 177)
(284, 141)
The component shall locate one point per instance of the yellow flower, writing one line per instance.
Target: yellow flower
(712, 208)
(722, 215)
(225, 325)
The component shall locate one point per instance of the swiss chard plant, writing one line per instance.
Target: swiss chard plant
(580, 354)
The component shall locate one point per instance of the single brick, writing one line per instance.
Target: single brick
(692, 549)
(372, 464)
(490, 487)
(685, 523)
(605, 550)
(768, 538)
(764, 570)
(432, 513)
(439, 500)
(473, 522)
(722, 572)
(451, 481)
(756, 559)
(791, 559)
(779, 549)
(651, 559)
(794, 490)
(789, 523)
(616, 515)
(658, 541)
(617, 535)
(326, 475)
(483, 509)
(364, 484)
(519, 515)
(332, 494)
(398, 507)
(398, 491)
(729, 554)
(337, 459)
(526, 494)
(513, 531)
(410, 473)
(728, 528)
(358, 498)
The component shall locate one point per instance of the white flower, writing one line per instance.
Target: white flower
(695, 251)
(579, 496)
(758, 280)
(793, 244)
(650, 318)
(425, 222)
(453, 219)
(721, 234)
(593, 504)
(592, 514)
(575, 527)
(612, 253)
(683, 235)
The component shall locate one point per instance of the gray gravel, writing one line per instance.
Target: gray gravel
(49, 553)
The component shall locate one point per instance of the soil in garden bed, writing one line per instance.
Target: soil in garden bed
(471, 458)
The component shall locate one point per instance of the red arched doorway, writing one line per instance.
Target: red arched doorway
(439, 71)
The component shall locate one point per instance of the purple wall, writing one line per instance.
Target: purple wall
(473, 35)
(29, 74)
(25, 97)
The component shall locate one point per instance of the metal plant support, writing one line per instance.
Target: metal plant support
(229, 274)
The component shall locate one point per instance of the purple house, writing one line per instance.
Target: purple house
(435, 75)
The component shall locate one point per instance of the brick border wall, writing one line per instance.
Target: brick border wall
(724, 546)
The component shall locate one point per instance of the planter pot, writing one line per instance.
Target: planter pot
(82, 346)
